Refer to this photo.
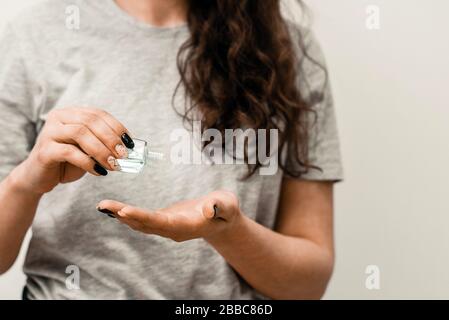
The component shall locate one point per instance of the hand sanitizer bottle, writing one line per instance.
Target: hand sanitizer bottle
(138, 158)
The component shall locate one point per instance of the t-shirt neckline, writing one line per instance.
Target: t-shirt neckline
(113, 8)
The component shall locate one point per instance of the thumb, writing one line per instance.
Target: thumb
(220, 205)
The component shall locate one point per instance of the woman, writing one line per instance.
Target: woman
(72, 99)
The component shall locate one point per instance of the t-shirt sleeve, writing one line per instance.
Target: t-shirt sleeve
(313, 81)
(17, 129)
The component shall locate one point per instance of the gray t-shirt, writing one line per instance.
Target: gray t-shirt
(128, 68)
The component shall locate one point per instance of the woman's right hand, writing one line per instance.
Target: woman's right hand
(68, 144)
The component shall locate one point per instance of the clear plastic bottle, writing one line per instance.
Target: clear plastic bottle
(138, 157)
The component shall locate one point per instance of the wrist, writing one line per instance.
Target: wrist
(17, 181)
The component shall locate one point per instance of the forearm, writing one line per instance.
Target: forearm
(18, 210)
(278, 266)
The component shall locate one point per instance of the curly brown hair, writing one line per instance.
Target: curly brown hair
(240, 69)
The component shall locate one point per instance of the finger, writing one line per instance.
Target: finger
(111, 206)
(87, 141)
(155, 219)
(135, 225)
(71, 154)
(97, 125)
(115, 125)
(219, 205)
(214, 209)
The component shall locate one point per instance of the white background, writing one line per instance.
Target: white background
(391, 91)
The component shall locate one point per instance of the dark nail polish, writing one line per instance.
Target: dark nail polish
(107, 212)
(215, 211)
(129, 143)
(104, 210)
(100, 170)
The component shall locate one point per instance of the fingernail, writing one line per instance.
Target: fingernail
(129, 143)
(215, 211)
(107, 212)
(121, 150)
(113, 163)
(100, 170)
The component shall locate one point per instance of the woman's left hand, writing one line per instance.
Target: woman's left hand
(205, 217)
